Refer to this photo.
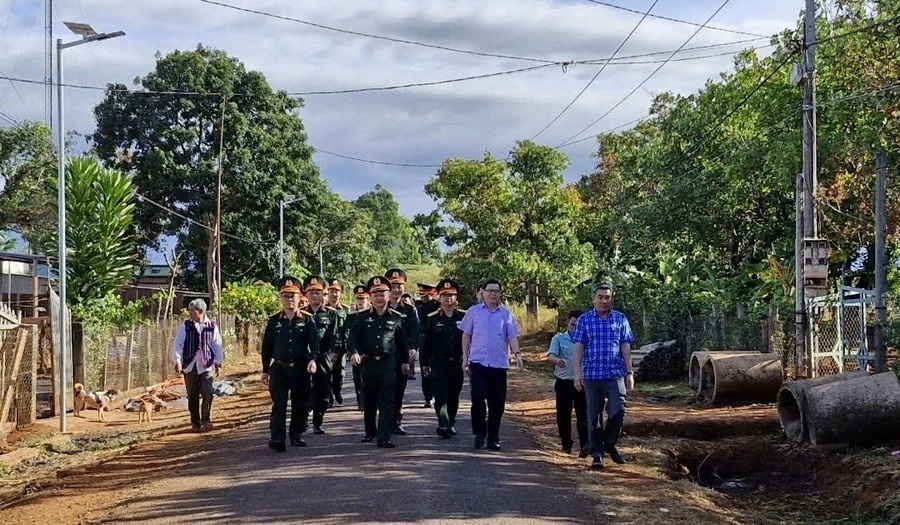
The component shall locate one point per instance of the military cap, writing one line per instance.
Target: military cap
(378, 284)
(288, 284)
(336, 285)
(313, 282)
(396, 275)
(360, 290)
(447, 286)
(425, 288)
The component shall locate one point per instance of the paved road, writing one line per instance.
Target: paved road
(336, 479)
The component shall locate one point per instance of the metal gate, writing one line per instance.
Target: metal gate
(837, 335)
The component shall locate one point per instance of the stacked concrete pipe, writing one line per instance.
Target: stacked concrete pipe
(742, 378)
(793, 406)
(698, 360)
(860, 411)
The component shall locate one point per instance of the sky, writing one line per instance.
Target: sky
(420, 125)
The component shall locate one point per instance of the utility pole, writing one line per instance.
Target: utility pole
(799, 296)
(810, 170)
(880, 275)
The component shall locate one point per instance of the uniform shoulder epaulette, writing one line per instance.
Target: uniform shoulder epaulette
(305, 312)
(434, 313)
(401, 314)
(461, 310)
(331, 308)
(363, 310)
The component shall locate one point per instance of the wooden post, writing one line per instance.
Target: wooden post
(129, 343)
(17, 363)
(880, 264)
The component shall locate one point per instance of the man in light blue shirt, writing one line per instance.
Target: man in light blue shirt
(489, 333)
(561, 355)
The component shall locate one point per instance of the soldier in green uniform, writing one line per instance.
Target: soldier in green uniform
(333, 300)
(361, 304)
(442, 356)
(378, 345)
(330, 343)
(290, 346)
(397, 279)
(425, 304)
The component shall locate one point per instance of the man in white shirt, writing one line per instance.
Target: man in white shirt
(197, 354)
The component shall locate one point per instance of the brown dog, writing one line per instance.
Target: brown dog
(145, 410)
(99, 401)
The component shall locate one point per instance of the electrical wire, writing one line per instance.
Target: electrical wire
(382, 37)
(647, 79)
(597, 74)
(379, 162)
(670, 19)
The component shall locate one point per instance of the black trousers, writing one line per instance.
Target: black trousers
(358, 385)
(446, 382)
(288, 382)
(488, 400)
(378, 382)
(321, 394)
(400, 381)
(567, 399)
(337, 379)
(199, 389)
(427, 384)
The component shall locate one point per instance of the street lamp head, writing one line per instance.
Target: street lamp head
(106, 36)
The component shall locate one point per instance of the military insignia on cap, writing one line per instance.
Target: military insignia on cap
(395, 274)
(376, 281)
(335, 282)
(313, 281)
(446, 285)
(289, 283)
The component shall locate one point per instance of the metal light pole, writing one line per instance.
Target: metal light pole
(88, 35)
(284, 202)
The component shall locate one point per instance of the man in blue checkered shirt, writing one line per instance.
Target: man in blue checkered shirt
(602, 362)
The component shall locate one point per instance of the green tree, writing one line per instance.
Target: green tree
(395, 238)
(27, 164)
(170, 144)
(99, 213)
(513, 220)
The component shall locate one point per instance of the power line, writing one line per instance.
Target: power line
(379, 162)
(687, 22)
(590, 137)
(651, 75)
(200, 224)
(602, 68)
(382, 37)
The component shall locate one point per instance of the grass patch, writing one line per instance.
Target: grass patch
(421, 273)
(676, 391)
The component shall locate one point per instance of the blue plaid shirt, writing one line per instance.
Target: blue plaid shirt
(601, 337)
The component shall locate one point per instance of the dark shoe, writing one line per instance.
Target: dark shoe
(427, 404)
(196, 427)
(399, 430)
(479, 441)
(615, 456)
(597, 464)
(367, 439)
(567, 449)
(318, 430)
(277, 446)
(493, 445)
(452, 430)
(338, 399)
(443, 433)
(386, 444)
(207, 426)
(412, 377)
(297, 441)
(331, 403)
(584, 452)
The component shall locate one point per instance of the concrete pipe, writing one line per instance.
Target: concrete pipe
(741, 378)
(792, 405)
(698, 359)
(861, 411)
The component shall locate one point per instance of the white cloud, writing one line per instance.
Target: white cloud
(419, 125)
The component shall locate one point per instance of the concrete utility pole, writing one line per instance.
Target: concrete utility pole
(880, 274)
(799, 308)
(810, 170)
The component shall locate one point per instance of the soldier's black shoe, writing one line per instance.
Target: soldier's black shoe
(386, 444)
(427, 404)
(585, 451)
(277, 446)
(318, 430)
(567, 449)
(614, 455)
(479, 441)
(493, 445)
(366, 439)
(399, 430)
(331, 403)
(412, 377)
(297, 441)
(443, 433)
(597, 464)
(339, 399)
(452, 430)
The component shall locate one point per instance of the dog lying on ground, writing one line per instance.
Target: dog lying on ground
(99, 401)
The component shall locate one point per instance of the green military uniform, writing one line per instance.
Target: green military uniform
(423, 308)
(288, 346)
(359, 291)
(380, 341)
(441, 354)
(411, 329)
(340, 363)
(330, 345)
